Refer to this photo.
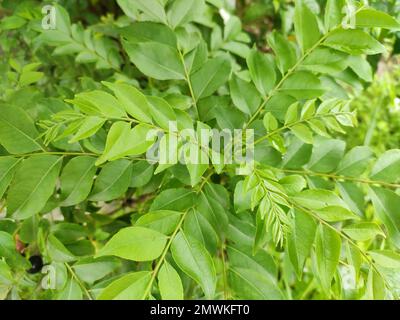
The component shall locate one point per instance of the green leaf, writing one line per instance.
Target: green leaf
(244, 95)
(123, 141)
(303, 85)
(184, 11)
(195, 261)
(328, 245)
(30, 77)
(29, 229)
(12, 22)
(355, 162)
(29, 193)
(68, 232)
(363, 231)
(81, 248)
(318, 199)
(308, 110)
(212, 75)
(161, 111)
(91, 270)
(156, 60)
(297, 155)
(325, 60)
(117, 138)
(241, 198)
(353, 196)
(17, 131)
(248, 284)
(77, 180)
(170, 283)
(9, 252)
(146, 31)
(213, 211)
(336, 213)
(113, 181)
(99, 103)
(142, 172)
(333, 13)
(243, 257)
(354, 258)
(63, 20)
(361, 67)
(270, 122)
(387, 168)
(129, 8)
(219, 193)
(135, 243)
(354, 42)
(292, 114)
(301, 240)
(131, 286)
(326, 155)
(7, 168)
(71, 291)
(164, 221)
(196, 171)
(302, 132)
(134, 102)
(173, 199)
(293, 184)
(153, 9)
(88, 128)
(376, 289)
(57, 251)
(200, 229)
(6, 280)
(386, 258)
(386, 204)
(306, 26)
(371, 18)
(285, 52)
(262, 71)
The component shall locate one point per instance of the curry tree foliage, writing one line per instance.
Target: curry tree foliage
(310, 219)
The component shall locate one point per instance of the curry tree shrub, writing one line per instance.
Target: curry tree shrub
(88, 214)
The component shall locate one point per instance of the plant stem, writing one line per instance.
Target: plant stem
(187, 77)
(87, 293)
(288, 126)
(163, 255)
(205, 180)
(340, 177)
(309, 288)
(166, 249)
(224, 272)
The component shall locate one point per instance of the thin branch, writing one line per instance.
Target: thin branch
(340, 177)
(288, 126)
(163, 255)
(166, 249)
(187, 77)
(224, 272)
(80, 283)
